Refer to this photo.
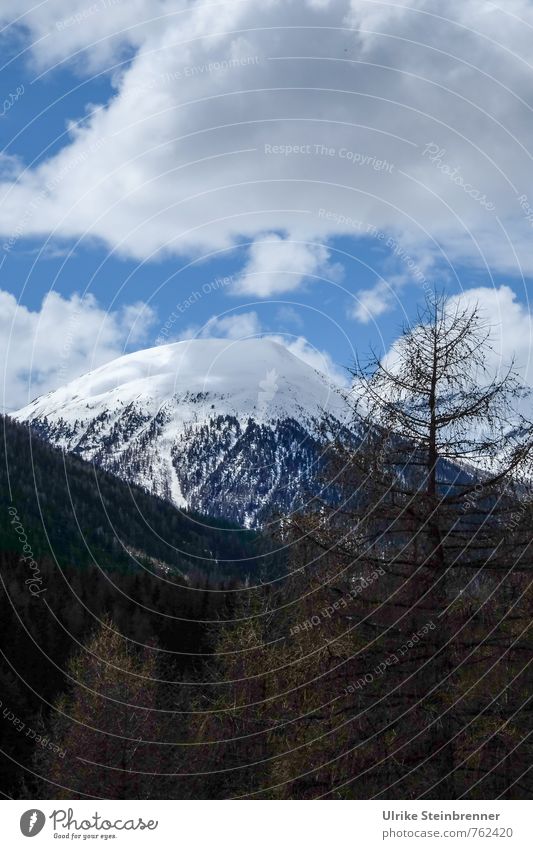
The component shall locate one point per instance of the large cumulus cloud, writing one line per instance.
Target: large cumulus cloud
(294, 119)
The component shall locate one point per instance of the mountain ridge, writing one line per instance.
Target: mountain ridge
(227, 428)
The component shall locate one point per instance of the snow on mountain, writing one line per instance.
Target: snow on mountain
(228, 428)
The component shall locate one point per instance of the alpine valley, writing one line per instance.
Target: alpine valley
(230, 429)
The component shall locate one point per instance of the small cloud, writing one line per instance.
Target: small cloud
(371, 303)
(246, 325)
(10, 166)
(239, 326)
(136, 320)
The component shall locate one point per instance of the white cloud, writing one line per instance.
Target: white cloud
(10, 166)
(276, 265)
(176, 160)
(240, 325)
(90, 33)
(511, 328)
(369, 304)
(43, 349)
(245, 325)
(134, 321)
(314, 357)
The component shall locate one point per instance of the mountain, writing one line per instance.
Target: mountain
(229, 429)
(79, 515)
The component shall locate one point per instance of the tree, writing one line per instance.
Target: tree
(438, 495)
(104, 726)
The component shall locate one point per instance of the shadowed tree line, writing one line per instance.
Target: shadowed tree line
(393, 661)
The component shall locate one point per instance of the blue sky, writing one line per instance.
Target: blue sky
(301, 151)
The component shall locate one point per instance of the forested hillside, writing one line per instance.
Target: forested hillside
(81, 515)
(78, 545)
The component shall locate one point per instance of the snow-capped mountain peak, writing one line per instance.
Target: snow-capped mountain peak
(247, 377)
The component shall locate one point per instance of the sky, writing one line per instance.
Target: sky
(307, 169)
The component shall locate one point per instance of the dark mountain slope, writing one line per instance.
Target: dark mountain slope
(82, 515)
